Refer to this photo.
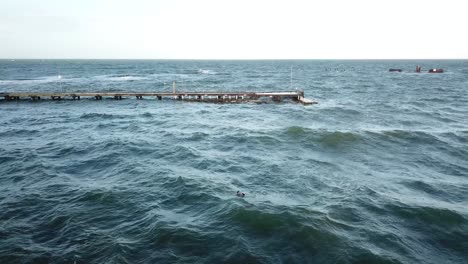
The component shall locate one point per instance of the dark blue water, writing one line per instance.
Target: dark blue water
(377, 172)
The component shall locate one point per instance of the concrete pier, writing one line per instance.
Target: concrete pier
(218, 97)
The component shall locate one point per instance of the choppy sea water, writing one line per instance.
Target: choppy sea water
(377, 172)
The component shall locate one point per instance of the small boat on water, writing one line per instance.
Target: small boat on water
(418, 70)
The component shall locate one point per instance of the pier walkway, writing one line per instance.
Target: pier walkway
(221, 97)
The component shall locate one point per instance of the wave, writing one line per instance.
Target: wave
(101, 116)
(208, 72)
(38, 80)
(180, 154)
(19, 132)
(62, 79)
(146, 114)
(428, 216)
(309, 234)
(325, 137)
(121, 78)
(439, 191)
(410, 136)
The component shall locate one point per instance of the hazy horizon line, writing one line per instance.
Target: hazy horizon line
(242, 59)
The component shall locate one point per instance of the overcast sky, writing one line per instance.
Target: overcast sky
(237, 29)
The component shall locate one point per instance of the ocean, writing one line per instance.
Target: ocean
(376, 172)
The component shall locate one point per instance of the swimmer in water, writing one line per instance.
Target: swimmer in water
(240, 194)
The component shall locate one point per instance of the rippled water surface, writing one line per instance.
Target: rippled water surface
(377, 172)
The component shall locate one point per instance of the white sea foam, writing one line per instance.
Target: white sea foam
(120, 78)
(203, 71)
(64, 79)
(38, 80)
